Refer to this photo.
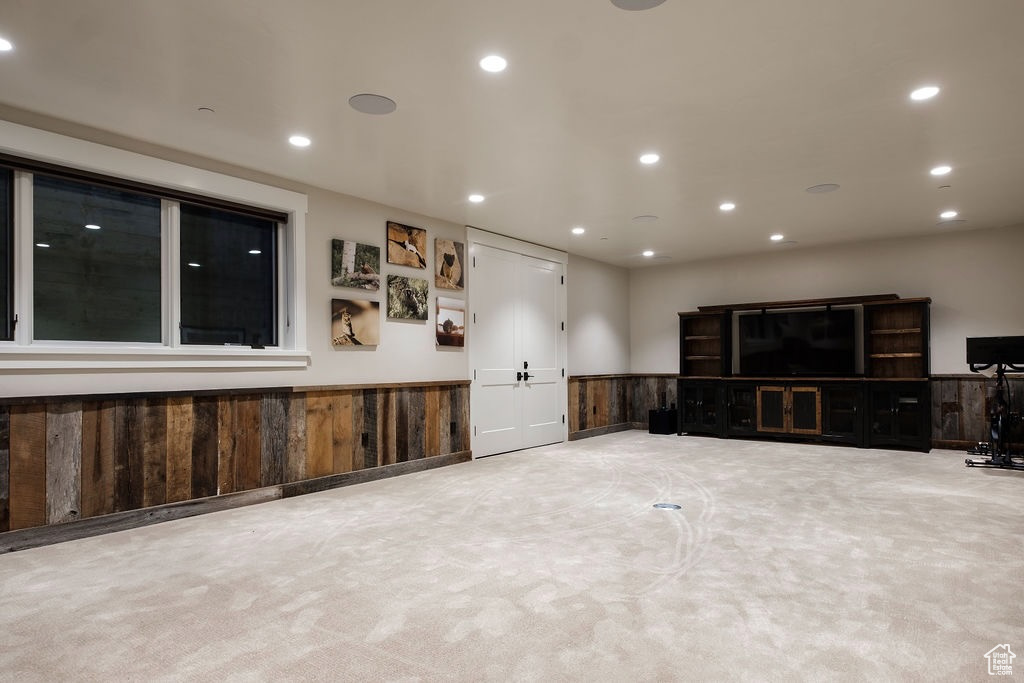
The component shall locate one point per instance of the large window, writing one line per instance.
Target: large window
(228, 278)
(6, 255)
(97, 256)
(115, 260)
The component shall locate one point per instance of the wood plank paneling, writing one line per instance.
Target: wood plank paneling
(110, 456)
(358, 446)
(248, 444)
(121, 494)
(136, 452)
(295, 455)
(319, 434)
(371, 454)
(225, 439)
(431, 422)
(63, 462)
(204, 446)
(97, 458)
(974, 416)
(28, 466)
(341, 437)
(5, 468)
(273, 438)
(387, 426)
(446, 427)
(180, 419)
(154, 449)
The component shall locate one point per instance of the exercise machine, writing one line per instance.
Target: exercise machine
(1003, 353)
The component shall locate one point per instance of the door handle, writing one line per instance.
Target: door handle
(527, 376)
(519, 377)
(526, 366)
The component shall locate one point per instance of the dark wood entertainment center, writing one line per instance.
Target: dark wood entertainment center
(888, 405)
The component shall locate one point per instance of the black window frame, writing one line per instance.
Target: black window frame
(9, 322)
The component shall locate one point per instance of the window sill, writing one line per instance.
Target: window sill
(57, 358)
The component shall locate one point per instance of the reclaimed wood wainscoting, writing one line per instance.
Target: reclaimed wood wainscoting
(72, 467)
(602, 404)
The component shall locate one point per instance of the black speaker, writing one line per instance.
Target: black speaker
(662, 421)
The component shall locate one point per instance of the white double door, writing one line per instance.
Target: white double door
(518, 398)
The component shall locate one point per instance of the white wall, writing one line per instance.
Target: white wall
(974, 278)
(598, 317)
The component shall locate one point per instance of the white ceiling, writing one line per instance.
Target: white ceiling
(748, 101)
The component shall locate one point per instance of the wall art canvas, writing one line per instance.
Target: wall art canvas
(355, 323)
(407, 246)
(355, 265)
(448, 264)
(451, 322)
(407, 297)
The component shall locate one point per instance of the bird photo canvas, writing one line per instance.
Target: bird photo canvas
(448, 259)
(451, 322)
(355, 265)
(407, 297)
(407, 246)
(355, 323)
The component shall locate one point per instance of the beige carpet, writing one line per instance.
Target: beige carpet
(786, 562)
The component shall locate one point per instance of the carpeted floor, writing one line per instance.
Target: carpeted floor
(786, 562)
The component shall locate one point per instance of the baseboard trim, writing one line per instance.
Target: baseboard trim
(601, 431)
(35, 537)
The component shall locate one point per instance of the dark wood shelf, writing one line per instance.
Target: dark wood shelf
(703, 337)
(895, 355)
(908, 330)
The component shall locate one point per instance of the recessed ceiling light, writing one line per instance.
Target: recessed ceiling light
(92, 226)
(727, 206)
(255, 251)
(648, 253)
(646, 218)
(822, 188)
(476, 198)
(948, 214)
(778, 237)
(368, 103)
(578, 230)
(636, 5)
(649, 158)
(5, 45)
(193, 264)
(493, 63)
(299, 141)
(925, 93)
(941, 170)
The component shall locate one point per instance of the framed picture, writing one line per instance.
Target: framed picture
(355, 265)
(407, 246)
(451, 322)
(448, 260)
(407, 297)
(355, 323)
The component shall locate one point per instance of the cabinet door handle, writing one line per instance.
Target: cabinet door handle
(519, 377)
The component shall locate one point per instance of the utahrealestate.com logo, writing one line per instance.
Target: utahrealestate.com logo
(1000, 660)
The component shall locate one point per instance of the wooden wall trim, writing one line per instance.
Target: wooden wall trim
(30, 400)
(120, 521)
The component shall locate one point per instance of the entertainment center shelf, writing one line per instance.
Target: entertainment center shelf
(848, 370)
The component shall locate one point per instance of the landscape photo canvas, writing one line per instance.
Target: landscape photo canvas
(355, 265)
(451, 322)
(407, 297)
(407, 246)
(448, 264)
(355, 323)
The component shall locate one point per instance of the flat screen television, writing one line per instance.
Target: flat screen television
(798, 343)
